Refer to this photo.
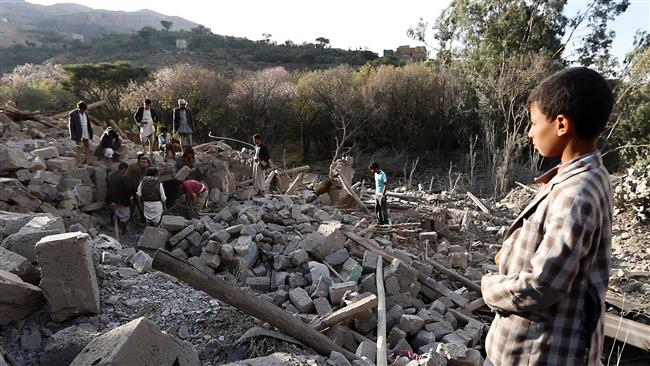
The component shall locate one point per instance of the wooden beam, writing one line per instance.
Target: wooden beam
(424, 279)
(90, 106)
(381, 315)
(478, 202)
(347, 312)
(450, 273)
(295, 184)
(627, 331)
(260, 309)
(347, 188)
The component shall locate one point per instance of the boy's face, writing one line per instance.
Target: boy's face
(544, 133)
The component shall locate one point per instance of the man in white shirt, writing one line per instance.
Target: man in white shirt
(146, 118)
(81, 131)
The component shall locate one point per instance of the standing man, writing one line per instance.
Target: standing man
(119, 196)
(146, 118)
(380, 193)
(183, 122)
(81, 132)
(549, 293)
(152, 197)
(260, 164)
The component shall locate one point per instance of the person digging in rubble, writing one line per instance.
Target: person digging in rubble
(380, 193)
(146, 119)
(549, 293)
(260, 164)
(119, 196)
(166, 143)
(183, 123)
(151, 197)
(81, 131)
(109, 146)
(196, 193)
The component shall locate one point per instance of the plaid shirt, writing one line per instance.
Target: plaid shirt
(549, 293)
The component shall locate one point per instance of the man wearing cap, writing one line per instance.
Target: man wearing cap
(183, 123)
(146, 118)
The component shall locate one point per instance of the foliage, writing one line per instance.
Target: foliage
(166, 24)
(633, 192)
(36, 87)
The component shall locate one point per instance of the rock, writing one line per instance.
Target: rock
(338, 290)
(338, 257)
(44, 176)
(431, 236)
(101, 186)
(181, 235)
(247, 248)
(37, 164)
(424, 268)
(297, 280)
(459, 355)
(153, 238)
(212, 260)
(182, 173)
(183, 332)
(301, 300)
(369, 263)
(18, 265)
(227, 252)
(173, 223)
(200, 265)
(438, 306)
(318, 270)
(63, 346)
(30, 340)
(394, 336)
(141, 261)
(367, 350)
(17, 298)
(458, 260)
(475, 330)
(393, 316)
(68, 275)
(25, 239)
(259, 283)
(179, 253)
(220, 235)
(322, 306)
(458, 336)
(298, 257)
(12, 159)
(439, 329)
(342, 336)
(422, 337)
(403, 345)
(194, 239)
(405, 274)
(430, 316)
(324, 242)
(410, 323)
(369, 283)
(337, 359)
(62, 163)
(138, 342)
(391, 286)
(279, 359)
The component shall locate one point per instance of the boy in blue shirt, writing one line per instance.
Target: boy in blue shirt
(380, 193)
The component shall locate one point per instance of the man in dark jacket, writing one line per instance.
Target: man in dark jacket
(146, 118)
(118, 196)
(109, 144)
(81, 131)
(260, 164)
(183, 122)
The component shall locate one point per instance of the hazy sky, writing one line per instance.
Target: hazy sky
(371, 24)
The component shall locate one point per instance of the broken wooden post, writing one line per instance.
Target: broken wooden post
(381, 315)
(478, 202)
(295, 184)
(260, 309)
(347, 312)
(449, 273)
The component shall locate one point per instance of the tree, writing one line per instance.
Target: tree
(323, 42)
(166, 24)
(36, 87)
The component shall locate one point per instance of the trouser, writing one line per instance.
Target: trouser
(258, 178)
(186, 139)
(380, 210)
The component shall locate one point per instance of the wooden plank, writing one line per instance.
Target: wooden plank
(424, 279)
(627, 331)
(347, 188)
(348, 312)
(450, 273)
(260, 309)
(295, 184)
(381, 315)
(478, 202)
(621, 302)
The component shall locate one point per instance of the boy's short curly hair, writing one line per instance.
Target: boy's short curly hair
(579, 93)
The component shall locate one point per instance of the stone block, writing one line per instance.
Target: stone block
(62, 164)
(141, 262)
(12, 159)
(297, 280)
(338, 257)
(342, 336)
(318, 270)
(405, 274)
(173, 223)
(403, 345)
(322, 306)
(337, 359)
(391, 286)
(431, 236)
(299, 257)
(259, 283)
(458, 336)
(438, 306)
(394, 336)
(153, 238)
(301, 300)
(46, 152)
(410, 323)
(424, 268)
(84, 195)
(247, 248)
(423, 337)
(63, 346)
(211, 259)
(24, 241)
(430, 316)
(194, 239)
(200, 265)
(439, 329)
(18, 299)
(338, 290)
(366, 322)
(458, 260)
(459, 355)
(367, 350)
(321, 288)
(37, 164)
(221, 236)
(138, 342)
(182, 173)
(18, 265)
(227, 252)
(44, 176)
(68, 275)
(393, 316)
(369, 263)
(324, 242)
(369, 283)
(101, 186)
(351, 270)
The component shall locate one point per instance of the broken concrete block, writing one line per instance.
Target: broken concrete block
(394, 336)
(24, 241)
(153, 238)
(337, 359)
(301, 300)
(338, 290)
(405, 274)
(259, 283)
(367, 350)
(459, 355)
(391, 286)
(182, 173)
(138, 342)
(324, 242)
(422, 337)
(369, 263)
(212, 260)
(369, 283)
(44, 176)
(338, 257)
(458, 336)
(318, 270)
(62, 163)
(18, 265)
(37, 164)
(12, 159)
(46, 152)
(173, 223)
(430, 316)
(18, 299)
(68, 275)
(247, 248)
(141, 262)
(299, 257)
(63, 346)
(439, 329)
(431, 236)
(410, 323)
(342, 336)
(227, 252)
(458, 260)
(322, 306)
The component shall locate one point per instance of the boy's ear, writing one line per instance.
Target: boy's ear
(563, 124)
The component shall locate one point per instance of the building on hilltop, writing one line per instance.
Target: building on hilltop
(411, 54)
(181, 43)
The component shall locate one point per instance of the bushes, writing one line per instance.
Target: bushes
(633, 191)
(37, 87)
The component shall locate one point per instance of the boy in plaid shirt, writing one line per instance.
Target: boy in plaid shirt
(549, 294)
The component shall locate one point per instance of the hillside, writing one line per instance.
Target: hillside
(28, 24)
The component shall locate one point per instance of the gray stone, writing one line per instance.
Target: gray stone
(44, 176)
(194, 239)
(182, 173)
(141, 262)
(179, 253)
(297, 280)
(338, 257)
(394, 336)
(301, 300)
(430, 316)
(153, 238)
(247, 248)
(181, 235)
(227, 252)
(410, 323)
(406, 275)
(391, 286)
(212, 260)
(101, 187)
(393, 316)
(403, 345)
(63, 346)
(438, 306)
(259, 283)
(369, 263)
(84, 195)
(338, 290)
(220, 235)
(25, 239)
(18, 265)
(46, 152)
(70, 286)
(431, 236)
(18, 299)
(424, 268)
(324, 242)
(422, 338)
(439, 329)
(337, 359)
(31, 340)
(173, 223)
(459, 355)
(458, 336)
(138, 342)
(200, 265)
(299, 257)
(12, 159)
(367, 350)
(475, 330)
(369, 283)
(281, 262)
(366, 322)
(322, 306)
(318, 270)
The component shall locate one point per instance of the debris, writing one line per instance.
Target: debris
(17, 298)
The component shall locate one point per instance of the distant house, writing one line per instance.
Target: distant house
(388, 53)
(410, 54)
(78, 37)
(181, 43)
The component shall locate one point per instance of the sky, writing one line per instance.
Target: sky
(351, 24)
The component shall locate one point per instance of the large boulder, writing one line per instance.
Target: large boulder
(25, 239)
(63, 346)
(17, 298)
(68, 275)
(12, 159)
(18, 265)
(138, 342)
